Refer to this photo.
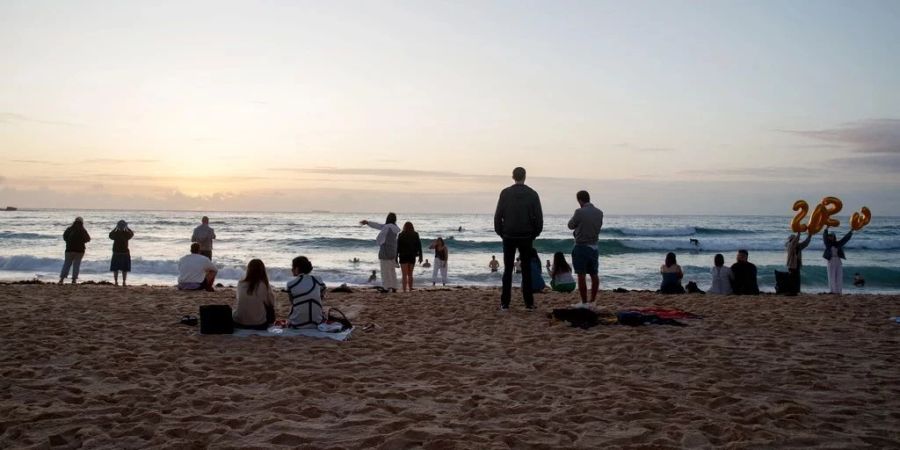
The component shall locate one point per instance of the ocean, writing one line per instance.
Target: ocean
(631, 248)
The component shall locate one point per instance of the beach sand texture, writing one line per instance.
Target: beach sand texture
(102, 367)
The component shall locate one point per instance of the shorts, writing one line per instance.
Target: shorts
(562, 287)
(585, 259)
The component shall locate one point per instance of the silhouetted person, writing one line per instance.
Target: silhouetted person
(743, 275)
(518, 220)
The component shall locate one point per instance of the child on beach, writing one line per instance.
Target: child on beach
(561, 279)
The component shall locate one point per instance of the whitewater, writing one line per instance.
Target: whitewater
(631, 247)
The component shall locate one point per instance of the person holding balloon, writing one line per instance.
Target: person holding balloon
(794, 248)
(834, 253)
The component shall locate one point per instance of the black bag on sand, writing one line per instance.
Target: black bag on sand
(216, 319)
(693, 289)
(784, 284)
(342, 319)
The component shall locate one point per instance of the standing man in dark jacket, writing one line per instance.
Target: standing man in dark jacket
(75, 236)
(518, 220)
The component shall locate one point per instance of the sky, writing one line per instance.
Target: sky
(655, 107)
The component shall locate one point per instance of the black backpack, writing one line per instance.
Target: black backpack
(216, 319)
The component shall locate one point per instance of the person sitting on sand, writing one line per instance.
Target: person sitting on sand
(561, 279)
(426, 264)
(858, 280)
(494, 264)
(743, 275)
(196, 272)
(671, 276)
(307, 293)
(721, 276)
(121, 256)
(75, 236)
(255, 308)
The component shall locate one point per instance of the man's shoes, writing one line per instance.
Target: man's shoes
(504, 308)
(530, 308)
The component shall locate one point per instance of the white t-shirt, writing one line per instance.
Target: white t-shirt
(192, 268)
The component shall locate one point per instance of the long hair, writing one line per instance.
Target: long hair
(256, 273)
(719, 260)
(391, 218)
(408, 228)
(670, 259)
(559, 263)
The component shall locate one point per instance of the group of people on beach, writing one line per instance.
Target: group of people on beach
(741, 277)
(518, 220)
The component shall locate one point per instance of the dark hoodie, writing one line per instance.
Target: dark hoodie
(76, 236)
(519, 214)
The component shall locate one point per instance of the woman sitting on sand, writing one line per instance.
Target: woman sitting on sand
(721, 277)
(671, 276)
(255, 299)
(561, 279)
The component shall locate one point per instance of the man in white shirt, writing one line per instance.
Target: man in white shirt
(196, 271)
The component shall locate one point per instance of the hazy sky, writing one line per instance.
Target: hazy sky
(735, 107)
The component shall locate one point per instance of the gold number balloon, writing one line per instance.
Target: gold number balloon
(860, 219)
(803, 208)
(817, 219)
(833, 205)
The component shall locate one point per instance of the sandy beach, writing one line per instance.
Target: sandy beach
(104, 367)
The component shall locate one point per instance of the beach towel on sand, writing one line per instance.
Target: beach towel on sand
(294, 332)
(664, 313)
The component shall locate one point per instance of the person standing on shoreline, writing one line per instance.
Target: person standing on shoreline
(204, 236)
(794, 249)
(75, 236)
(586, 224)
(409, 247)
(834, 253)
(121, 256)
(518, 220)
(387, 250)
(441, 254)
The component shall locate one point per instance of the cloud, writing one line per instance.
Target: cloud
(633, 148)
(769, 172)
(14, 118)
(118, 161)
(868, 136)
(404, 173)
(874, 163)
(35, 161)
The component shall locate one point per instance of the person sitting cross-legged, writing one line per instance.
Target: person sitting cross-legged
(196, 272)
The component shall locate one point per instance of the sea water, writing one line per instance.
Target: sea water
(631, 247)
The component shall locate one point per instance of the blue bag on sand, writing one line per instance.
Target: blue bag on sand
(537, 278)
